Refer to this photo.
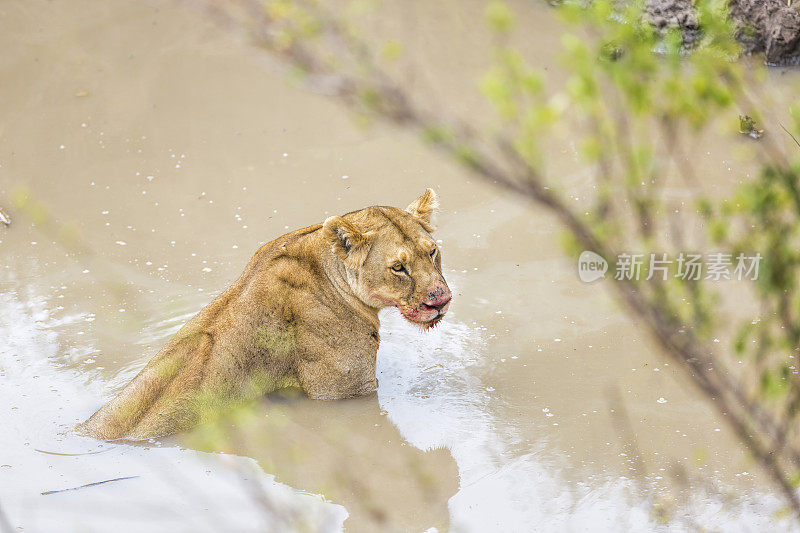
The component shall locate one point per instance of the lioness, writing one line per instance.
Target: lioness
(304, 313)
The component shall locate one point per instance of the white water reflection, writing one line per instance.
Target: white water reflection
(175, 489)
(430, 389)
(429, 385)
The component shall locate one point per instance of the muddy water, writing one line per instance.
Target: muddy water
(158, 151)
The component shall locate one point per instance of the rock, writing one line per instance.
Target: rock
(768, 26)
(666, 14)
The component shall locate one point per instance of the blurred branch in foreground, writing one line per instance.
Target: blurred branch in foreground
(633, 96)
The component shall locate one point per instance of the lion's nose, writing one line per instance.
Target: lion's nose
(440, 302)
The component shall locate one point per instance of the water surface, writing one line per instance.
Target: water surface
(159, 151)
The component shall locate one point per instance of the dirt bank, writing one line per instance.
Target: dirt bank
(768, 26)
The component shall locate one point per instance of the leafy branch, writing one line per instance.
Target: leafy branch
(634, 94)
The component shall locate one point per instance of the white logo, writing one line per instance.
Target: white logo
(591, 266)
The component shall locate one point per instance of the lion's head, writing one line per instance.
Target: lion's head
(391, 259)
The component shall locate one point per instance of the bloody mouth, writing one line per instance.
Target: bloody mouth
(411, 316)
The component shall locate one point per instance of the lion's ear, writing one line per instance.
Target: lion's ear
(346, 239)
(424, 207)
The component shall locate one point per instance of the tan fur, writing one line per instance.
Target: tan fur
(303, 313)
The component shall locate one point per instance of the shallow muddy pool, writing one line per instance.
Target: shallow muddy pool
(158, 150)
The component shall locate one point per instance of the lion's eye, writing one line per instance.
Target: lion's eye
(398, 267)
(433, 253)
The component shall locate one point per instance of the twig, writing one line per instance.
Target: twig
(88, 485)
(790, 135)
